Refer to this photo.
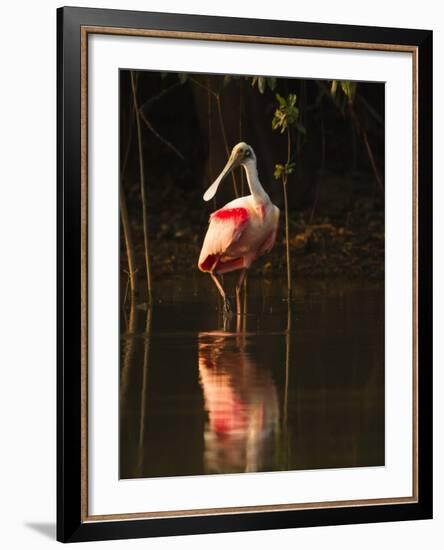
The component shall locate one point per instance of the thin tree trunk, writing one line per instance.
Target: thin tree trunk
(128, 353)
(287, 235)
(241, 113)
(126, 225)
(224, 136)
(368, 148)
(127, 234)
(372, 160)
(210, 141)
(287, 230)
(216, 96)
(286, 390)
(142, 192)
(144, 388)
(244, 309)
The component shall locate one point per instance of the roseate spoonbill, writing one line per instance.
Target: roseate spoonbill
(242, 230)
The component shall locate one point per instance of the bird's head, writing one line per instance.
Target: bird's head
(242, 154)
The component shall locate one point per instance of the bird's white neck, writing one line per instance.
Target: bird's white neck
(256, 189)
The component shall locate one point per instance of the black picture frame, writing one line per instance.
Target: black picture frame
(71, 524)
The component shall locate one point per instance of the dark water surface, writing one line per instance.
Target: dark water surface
(195, 399)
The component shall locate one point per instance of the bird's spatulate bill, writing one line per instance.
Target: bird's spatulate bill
(211, 191)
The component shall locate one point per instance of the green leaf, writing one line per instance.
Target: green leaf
(271, 81)
(291, 102)
(278, 170)
(349, 89)
(287, 113)
(289, 167)
(261, 84)
(279, 120)
(282, 101)
(281, 170)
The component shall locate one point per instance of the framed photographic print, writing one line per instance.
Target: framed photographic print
(244, 274)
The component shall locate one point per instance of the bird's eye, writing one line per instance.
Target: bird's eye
(247, 153)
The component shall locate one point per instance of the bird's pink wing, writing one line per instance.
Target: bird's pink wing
(226, 227)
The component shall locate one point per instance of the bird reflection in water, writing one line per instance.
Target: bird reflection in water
(241, 401)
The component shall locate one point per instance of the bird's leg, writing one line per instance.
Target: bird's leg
(238, 291)
(227, 307)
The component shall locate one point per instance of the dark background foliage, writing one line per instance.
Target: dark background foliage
(190, 122)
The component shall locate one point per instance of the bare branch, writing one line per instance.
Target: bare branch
(159, 137)
(206, 88)
(126, 225)
(142, 192)
(155, 98)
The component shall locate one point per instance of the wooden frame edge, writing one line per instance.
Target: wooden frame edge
(84, 271)
(85, 31)
(199, 512)
(219, 37)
